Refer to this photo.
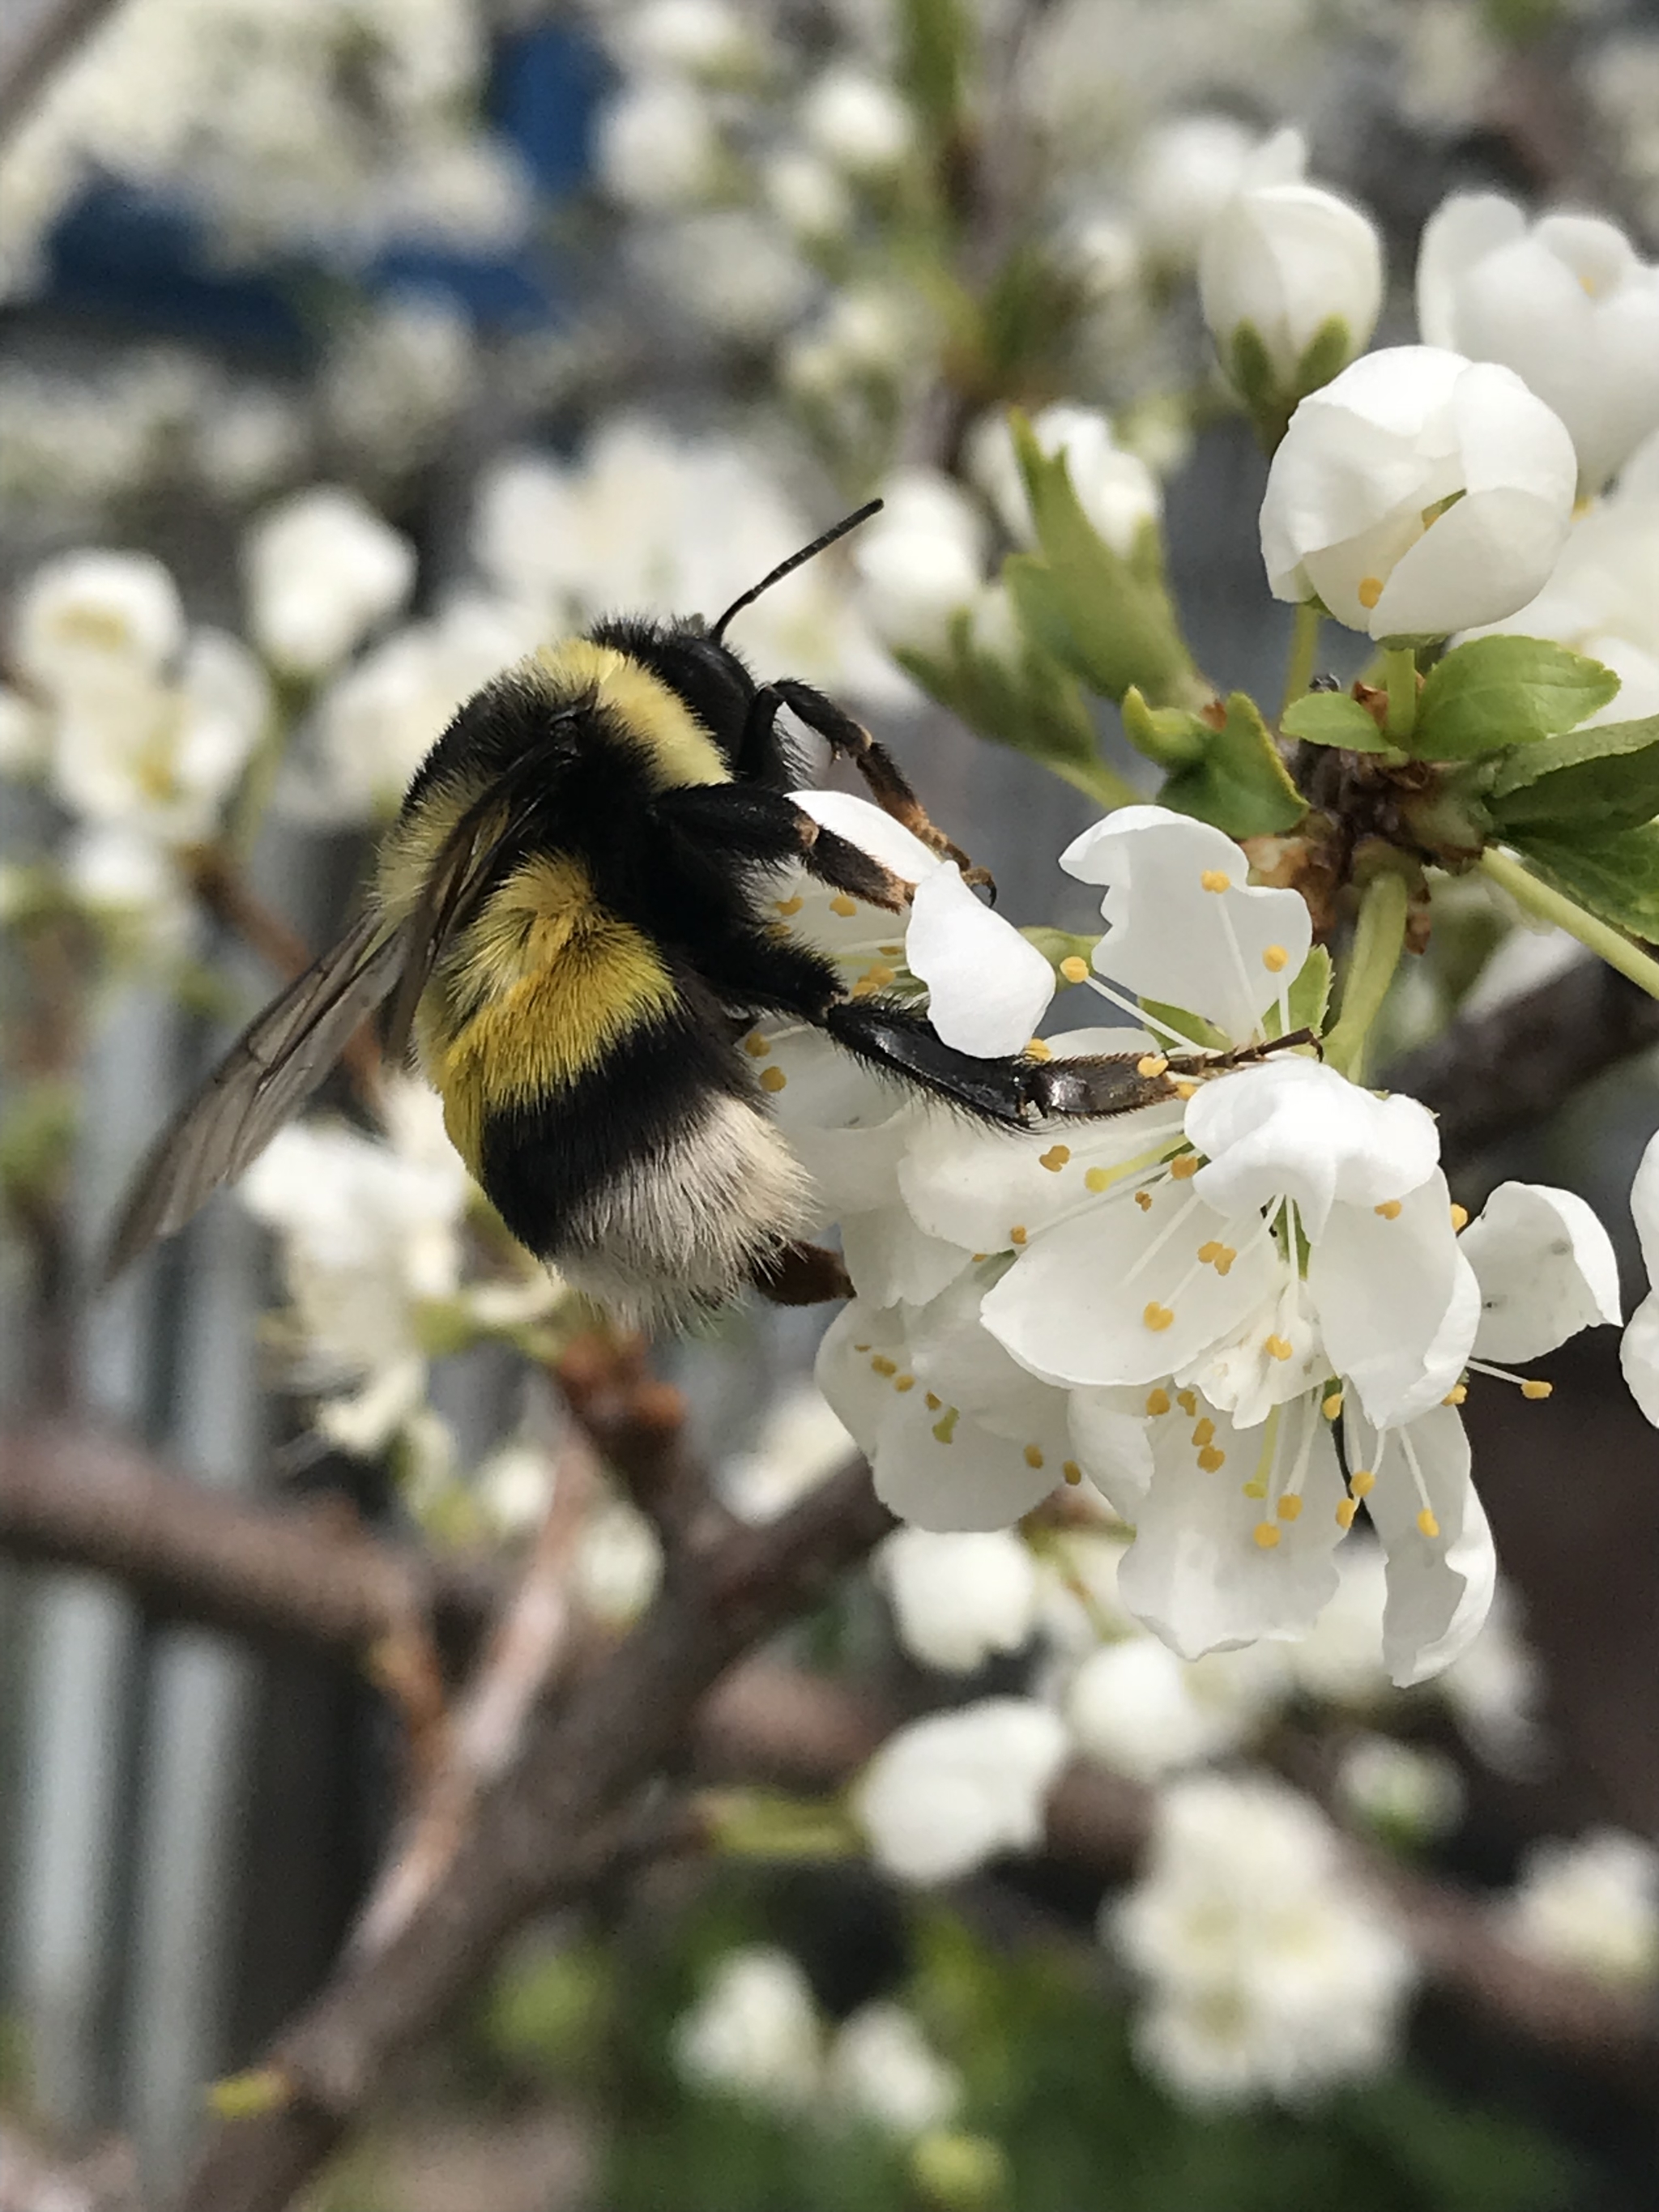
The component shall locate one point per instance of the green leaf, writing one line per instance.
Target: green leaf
(936, 56)
(1495, 692)
(1171, 735)
(1334, 718)
(1035, 707)
(1241, 784)
(1616, 877)
(1109, 620)
(1310, 993)
(1597, 780)
(1193, 1026)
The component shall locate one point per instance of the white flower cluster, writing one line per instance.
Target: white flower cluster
(1237, 1312)
(333, 125)
(140, 727)
(1268, 1972)
(1592, 1906)
(755, 2034)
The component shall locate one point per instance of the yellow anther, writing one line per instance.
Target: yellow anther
(1389, 1209)
(1157, 1317)
(1072, 1472)
(1534, 1389)
(1212, 1459)
(860, 1347)
(945, 1427)
(1275, 959)
(884, 1365)
(773, 1079)
(1331, 1407)
(1369, 592)
(933, 1402)
(1460, 1215)
(1033, 1456)
(1216, 879)
(1038, 1048)
(1158, 1402)
(1074, 969)
(1225, 1259)
(890, 951)
(1278, 1347)
(1097, 1179)
(1213, 1250)
(1054, 1158)
(1151, 1063)
(1346, 1512)
(757, 1046)
(1456, 1395)
(1143, 1200)
(842, 905)
(1017, 1235)
(1205, 1432)
(1427, 1523)
(1188, 1401)
(978, 1256)
(1289, 1508)
(1362, 1482)
(1266, 1535)
(793, 905)
(1184, 1166)
(876, 979)
(1256, 1488)
(902, 1382)
(1185, 1090)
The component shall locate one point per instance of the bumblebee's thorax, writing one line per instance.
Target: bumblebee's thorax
(645, 714)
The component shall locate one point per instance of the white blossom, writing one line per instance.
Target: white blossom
(617, 1564)
(1416, 493)
(807, 195)
(1139, 1709)
(1592, 1905)
(1116, 491)
(1402, 1790)
(956, 1599)
(857, 121)
(658, 146)
(730, 270)
(322, 569)
(753, 2033)
(1269, 1971)
(1285, 257)
(945, 1794)
(1186, 171)
(921, 561)
(1639, 1353)
(1564, 302)
(95, 618)
(882, 2067)
(800, 1443)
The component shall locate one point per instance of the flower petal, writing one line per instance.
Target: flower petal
(1196, 1573)
(978, 1186)
(1397, 1303)
(1184, 926)
(1440, 1587)
(1113, 1445)
(1644, 1207)
(1278, 1355)
(1296, 1129)
(1545, 1266)
(988, 988)
(1638, 1357)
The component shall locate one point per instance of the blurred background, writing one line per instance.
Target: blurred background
(558, 311)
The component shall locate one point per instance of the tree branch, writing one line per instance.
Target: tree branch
(1500, 1073)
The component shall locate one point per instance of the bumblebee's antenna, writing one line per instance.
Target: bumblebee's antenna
(795, 561)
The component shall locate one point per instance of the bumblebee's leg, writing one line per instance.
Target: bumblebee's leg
(735, 821)
(882, 774)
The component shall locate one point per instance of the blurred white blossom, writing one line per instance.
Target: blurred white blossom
(1186, 172)
(1116, 491)
(657, 145)
(1270, 1972)
(95, 618)
(753, 2034)
(1404, 1790)
(1564, 302)
(882, 2067)
(947, 1793)
(617, 1564)
(958, 1599)
(922, 561)
(322, 569)
(1137, 1708)
(800, 1443)
(1592, 1905)
(857, 122)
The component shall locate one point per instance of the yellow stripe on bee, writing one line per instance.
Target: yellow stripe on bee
(677, 748)
(545, 983)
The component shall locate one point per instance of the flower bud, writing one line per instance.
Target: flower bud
(921, 560)
(1290, 278)
(1418, 494)
(1564, 303)
(322, 569)
(1116, 491)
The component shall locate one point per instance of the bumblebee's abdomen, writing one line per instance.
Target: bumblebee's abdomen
(598, 1098)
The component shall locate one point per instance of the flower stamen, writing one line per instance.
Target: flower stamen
(1530, 1386)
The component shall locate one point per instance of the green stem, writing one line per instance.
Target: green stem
(1378, 942)
(1400, 664)
(1098, 782)
(1304, 643)
(1609, 944)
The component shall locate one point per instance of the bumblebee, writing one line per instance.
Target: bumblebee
(567, 918)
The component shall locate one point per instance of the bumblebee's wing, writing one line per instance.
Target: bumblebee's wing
(268, 1072)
